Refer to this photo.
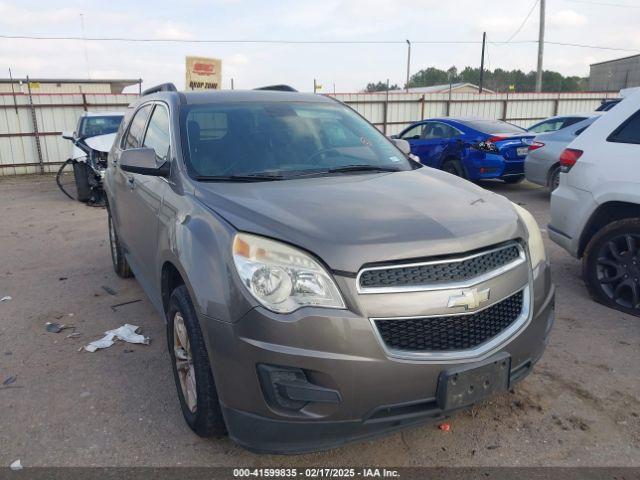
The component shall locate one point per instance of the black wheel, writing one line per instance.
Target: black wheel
(120, 264)
(513, 179)
(66, 179)
(611, 266)
(81, 173)
(191, 368)
(554, 179)
(454, 167)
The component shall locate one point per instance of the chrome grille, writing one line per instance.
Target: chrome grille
(440, 272)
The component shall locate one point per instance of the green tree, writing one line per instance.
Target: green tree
(379, 87)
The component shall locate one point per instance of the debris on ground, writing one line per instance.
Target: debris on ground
(126, 333)
(10, 380)
(6, 298)
(62, 279)
(73, 335)
(16, 465)
(115, 307)
(109, 290)
(54, 327)
(445, 427)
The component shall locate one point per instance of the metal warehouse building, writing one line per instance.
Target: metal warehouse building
(614, 75)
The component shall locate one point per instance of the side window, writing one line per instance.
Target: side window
(571, 120)
(436, 130)
(136, 128)
(413, 133)
(628, 132)
(548, 126)
(157, 136)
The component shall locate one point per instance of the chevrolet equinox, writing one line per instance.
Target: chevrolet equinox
(318, 285)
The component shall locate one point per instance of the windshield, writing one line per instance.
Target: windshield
(99, 125)
(492, 127)
(284, 139)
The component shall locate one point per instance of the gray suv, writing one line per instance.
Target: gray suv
(318, 285)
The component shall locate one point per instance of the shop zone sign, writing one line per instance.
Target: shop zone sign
(203, 73)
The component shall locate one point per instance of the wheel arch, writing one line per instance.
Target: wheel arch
(552, 169)
(605, 214)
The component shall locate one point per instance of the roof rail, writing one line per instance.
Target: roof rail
(278, 88)
(163, 87)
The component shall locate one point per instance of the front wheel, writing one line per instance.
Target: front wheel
(611, 266)
(191, 368)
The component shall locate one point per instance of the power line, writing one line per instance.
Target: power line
(604, 4)
(523, 22)
(298, 42)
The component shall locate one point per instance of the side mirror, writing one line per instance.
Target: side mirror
(67, 135)
(143, 161)
(394, 137)
(402, 145)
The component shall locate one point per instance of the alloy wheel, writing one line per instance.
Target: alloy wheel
(618, 270)
(184, 362)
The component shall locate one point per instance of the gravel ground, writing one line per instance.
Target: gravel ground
(119, 406)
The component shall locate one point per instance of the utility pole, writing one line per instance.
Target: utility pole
(315, 86)
(408, 65)
(484, 40)
(540, 47)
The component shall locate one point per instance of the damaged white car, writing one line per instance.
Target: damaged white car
(80, 177)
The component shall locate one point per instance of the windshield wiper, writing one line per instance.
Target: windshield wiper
(251, 177)
(362, 168)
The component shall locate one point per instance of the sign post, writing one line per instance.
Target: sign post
(203, 73)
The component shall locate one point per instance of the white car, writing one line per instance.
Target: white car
(595, 212)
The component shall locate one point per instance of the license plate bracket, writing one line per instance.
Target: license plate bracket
(462, 386)
(522, 151)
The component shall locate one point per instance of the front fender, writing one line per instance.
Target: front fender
(198, 245)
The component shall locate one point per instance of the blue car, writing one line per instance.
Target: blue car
(471, 148)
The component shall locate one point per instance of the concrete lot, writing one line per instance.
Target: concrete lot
(581, 406)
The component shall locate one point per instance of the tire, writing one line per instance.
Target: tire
(554, 179)
(513, 179)
(611, 266)
(202, 413)
(81, 172)
(120, 264)
(454, 167)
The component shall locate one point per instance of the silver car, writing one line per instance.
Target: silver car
(318, 286)
(542, 165)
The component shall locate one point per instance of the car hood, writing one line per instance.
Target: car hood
(101, 143)
(352, 220)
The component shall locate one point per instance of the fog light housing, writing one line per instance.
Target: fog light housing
(289, 388)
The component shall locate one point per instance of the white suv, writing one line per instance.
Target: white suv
(595, 212)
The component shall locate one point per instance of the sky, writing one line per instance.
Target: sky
(345, 67)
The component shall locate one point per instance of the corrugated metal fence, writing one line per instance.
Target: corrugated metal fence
(392, 112)
(31, 125)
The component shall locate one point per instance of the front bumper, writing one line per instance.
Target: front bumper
(338, 350)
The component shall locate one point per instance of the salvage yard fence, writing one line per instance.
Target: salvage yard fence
(391, 112)
(31, 124)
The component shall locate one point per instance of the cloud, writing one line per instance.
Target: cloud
(566, 18)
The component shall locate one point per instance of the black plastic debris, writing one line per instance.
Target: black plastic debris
(10, 380)
(109, 290)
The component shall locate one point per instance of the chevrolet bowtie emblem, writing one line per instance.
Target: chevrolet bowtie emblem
(469, 299)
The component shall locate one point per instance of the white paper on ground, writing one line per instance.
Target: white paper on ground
(126, 333)
(16, 465)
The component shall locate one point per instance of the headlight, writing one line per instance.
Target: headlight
(535, 243)
(282, 278)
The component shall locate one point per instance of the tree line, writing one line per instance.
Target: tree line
(498, 80)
